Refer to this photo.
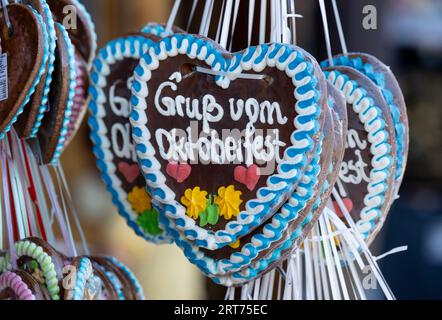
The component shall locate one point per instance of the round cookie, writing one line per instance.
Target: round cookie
(29, 122)
(54, 128)
(25, 49)
(111, 134)
(367, 173)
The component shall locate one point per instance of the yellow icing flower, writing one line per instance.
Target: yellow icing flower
(139, 200)
(228, 201)
(195, 201)
(235, 245)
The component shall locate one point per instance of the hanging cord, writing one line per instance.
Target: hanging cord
(340, 29)
(263, 22)
(4, 4)
(220, 22)
(65, 189)
(251, 19)
(7, 205)
(192, 14)
(173, 15)
(226, 24)
(235, 18)
(326, 31)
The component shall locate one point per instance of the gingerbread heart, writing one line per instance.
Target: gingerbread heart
(111, 134)
(82, 34)
(182, 100)
(79, 107)
(19, 285)
(30, 121)
(384, 79)
(53, 133)
(25, 61)
(367, 173)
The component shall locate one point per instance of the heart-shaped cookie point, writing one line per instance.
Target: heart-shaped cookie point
(248, 176)
(25, 53)
(179, 171)
(130, 171)
(219, 122)
(348, 206)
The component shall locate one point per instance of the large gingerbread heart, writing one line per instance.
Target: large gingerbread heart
(25, 58)
(172, 96)
(111, 134)
(367, 173)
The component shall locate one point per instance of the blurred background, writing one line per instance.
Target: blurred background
(408, 37)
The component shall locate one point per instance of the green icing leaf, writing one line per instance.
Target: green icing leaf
(212, 214)
(203, 218)
(148, 221)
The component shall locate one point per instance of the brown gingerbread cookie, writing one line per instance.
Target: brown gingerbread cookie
(52, 135)
(20, 285)
(366, 180)
(30, 121)
(24, 47)
(82, 34)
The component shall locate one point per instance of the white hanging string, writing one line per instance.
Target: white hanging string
(263, 22)
(235, 18)
(251, 18)
(173, 15)
(209, 19)
(326, 31)
(204, 17)
(220, 22)
(340, 29)
(226, 23)
(192, 14)
(286, 38)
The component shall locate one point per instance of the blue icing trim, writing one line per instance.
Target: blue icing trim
(379, 79)
(50, 27)
(372, 119)
(97, 112)
(91, 25)
(307, 107)
(84, 267)
(130, 275)
(116, 284)
(156, 30)
(71, 95)
(37, 79)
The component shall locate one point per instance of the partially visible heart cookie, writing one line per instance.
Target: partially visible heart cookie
(29, 122)
(109, 109)
(367, 173)
(53, 132)
(25, 56)
(79, 107)
(82, 35)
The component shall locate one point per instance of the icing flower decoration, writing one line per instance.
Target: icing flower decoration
(195, 201)
(148, 221)
(228, 201)
(140, 200)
